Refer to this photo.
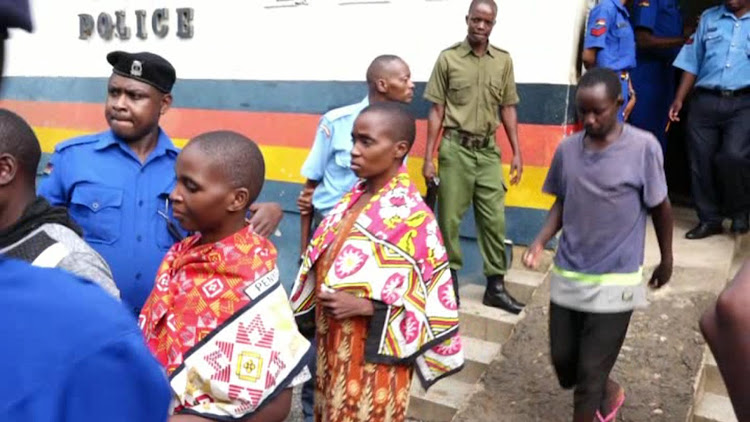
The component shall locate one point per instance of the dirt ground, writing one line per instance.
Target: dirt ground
(657, 366)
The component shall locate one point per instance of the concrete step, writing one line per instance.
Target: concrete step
(478, 354)
(441, 402)
(713, 382)
(483, 322)
(714, 408)
(522, 283)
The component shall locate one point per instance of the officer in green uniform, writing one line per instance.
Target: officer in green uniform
(470, 82)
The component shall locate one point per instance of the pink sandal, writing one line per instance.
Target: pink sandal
(613, 414)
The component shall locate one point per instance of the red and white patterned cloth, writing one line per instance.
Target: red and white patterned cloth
(219, 321)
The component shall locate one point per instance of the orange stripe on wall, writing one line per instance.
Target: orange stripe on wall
(538, 142)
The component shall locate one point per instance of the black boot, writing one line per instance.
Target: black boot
(497, 297)
(454, 276)
(703, 230)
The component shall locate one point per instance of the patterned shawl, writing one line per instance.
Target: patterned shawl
(395, 257)
(219, 321)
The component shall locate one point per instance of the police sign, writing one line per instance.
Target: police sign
(107, 27)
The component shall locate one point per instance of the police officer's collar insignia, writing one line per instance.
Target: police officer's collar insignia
(136, 68)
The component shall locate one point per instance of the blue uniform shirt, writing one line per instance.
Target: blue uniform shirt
(118, 202)
(719, 51)
(329, 161)
(663, 18)
(72, 352)
(609, 30)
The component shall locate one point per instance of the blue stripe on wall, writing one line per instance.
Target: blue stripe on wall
(540, 103)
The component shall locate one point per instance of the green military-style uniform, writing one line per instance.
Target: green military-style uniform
(472, 88)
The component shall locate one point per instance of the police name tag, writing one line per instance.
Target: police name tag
(263, 284)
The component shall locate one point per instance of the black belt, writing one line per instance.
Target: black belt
(469, 140)
(725, 92)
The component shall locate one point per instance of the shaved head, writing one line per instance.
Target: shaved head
(381, 67)
(604, 76)
(401, 123)
(18, 139)
(239, 158)
(490, 3)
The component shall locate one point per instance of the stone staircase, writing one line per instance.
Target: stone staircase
(483, 332)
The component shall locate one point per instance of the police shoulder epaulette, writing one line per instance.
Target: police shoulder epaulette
(499, 49)
(711, 10)
(454, 46)
(81, 140)
(338, 113)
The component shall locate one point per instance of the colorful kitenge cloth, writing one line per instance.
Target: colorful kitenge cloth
(219, 321)
(347, 388)
(394, 256)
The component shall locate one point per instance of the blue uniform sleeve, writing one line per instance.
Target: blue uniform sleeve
(316, 161)
(122, 382)
(53, 187)
(691, 55)
(600, 20)
(644, 14)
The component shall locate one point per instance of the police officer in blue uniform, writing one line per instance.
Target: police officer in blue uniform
(116, 183)
(716, 62)
(659, 33)
(610, 43)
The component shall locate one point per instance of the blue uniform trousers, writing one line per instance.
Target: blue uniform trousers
(654, 85)
(716, 125)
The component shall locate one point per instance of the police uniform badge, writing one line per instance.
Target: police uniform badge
(599, 28)
(136, 68)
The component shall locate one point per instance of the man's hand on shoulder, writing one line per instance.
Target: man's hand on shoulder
(266, 217)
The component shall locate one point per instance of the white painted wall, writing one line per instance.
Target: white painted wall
(323, 40)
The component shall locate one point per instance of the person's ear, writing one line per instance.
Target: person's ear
(8, 169)
(382, 86)
(402, 148)
(166, 103)
(239, 201)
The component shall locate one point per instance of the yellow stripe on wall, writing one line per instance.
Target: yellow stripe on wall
(283, 164)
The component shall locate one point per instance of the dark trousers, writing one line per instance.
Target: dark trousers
(584, 347)
(716, 125)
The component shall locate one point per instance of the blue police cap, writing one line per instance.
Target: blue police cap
(145, 67)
